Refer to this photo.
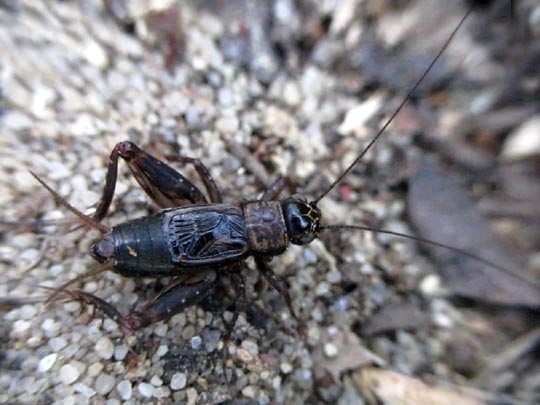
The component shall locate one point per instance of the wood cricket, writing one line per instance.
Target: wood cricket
(198, 239)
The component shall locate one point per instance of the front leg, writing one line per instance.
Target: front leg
(279, 284)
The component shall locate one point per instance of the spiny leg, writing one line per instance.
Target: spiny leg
(188, 291)
(164, 185)
(279, 285)
(184, 293)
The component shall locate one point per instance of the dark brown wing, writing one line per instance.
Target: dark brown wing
(206, 234)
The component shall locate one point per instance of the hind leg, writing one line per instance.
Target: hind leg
(188, 291)
(163, 184)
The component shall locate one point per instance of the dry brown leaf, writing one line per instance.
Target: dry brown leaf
(351, 355)
(389, 387)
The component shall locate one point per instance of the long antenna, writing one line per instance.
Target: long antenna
(432, 243)
(396, 112)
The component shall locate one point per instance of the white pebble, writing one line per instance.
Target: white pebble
(291, 94)
(95, 369)
(196, 342)
(145, 389)
(162, 392)
(286, 368)
(430, 285)
(227, 125)
(20, 327)
(523, 141)
(84, 390)
(244, 355)
(95, 54)
(251, 346)
(161, 330)
(250, 391)
(69, 374)
(49, 325)
(330, 350)
(124, 389)
(178, 381)
(104, 348)
(120, 352)
(162, 350)
(28, 311)
(104, 384)
(156, 381)
(57, 343)
(46, 363)
(322, 288)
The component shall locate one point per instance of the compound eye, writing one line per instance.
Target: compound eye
(298, 220)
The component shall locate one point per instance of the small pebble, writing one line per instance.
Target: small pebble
(68, 374)
(211, 340)
(196, 342)
(84, 390)
(244, 355)
(178, 381)
(188, 332)
(95, 369)
(121, 351)
(28, 311)
(310, 256)
(124, 389)
(46, 363)
(162, 392)
(145, 389)
(156, 381)
(57, 343)
(250, 391)
(264, 399)
(95, 54)
(251, 346)
(227, 125)
(162, 350)
(322, 288)
(104, 348)
(104, 384)
(161, 330)
(192, 395)
(20, 327)
(330, 350)
(50, 326)
(286, 368)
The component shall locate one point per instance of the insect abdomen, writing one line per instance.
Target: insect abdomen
(140, 248)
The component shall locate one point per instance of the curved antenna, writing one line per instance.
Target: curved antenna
(432, 243)
(84, 218)
(400, 107)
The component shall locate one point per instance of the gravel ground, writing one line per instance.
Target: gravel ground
(75, 80)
